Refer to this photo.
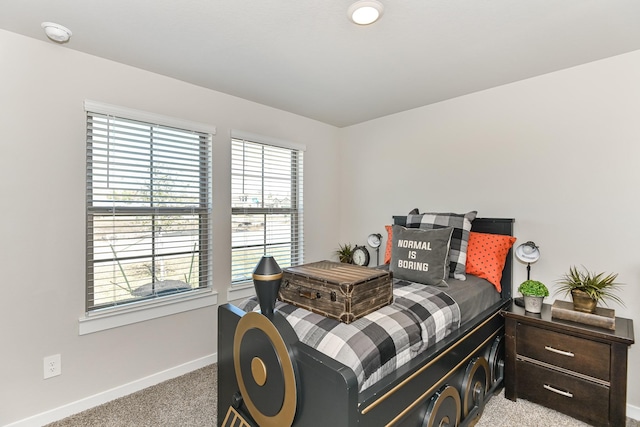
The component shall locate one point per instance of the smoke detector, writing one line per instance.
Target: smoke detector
(56, 32)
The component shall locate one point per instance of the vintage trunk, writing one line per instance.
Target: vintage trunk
(340, 291)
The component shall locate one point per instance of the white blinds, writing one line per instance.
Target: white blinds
(266, 201)
(148, 210)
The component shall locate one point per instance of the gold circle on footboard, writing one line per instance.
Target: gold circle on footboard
(443, 409)
(264, 371)
(475, 384)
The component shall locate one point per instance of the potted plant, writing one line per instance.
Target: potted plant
(345, 253)
(587, 289)
(534, 293)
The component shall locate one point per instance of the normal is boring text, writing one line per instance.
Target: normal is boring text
(415, 246)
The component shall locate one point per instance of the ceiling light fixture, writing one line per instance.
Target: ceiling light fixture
(365, 12)
(56, 32)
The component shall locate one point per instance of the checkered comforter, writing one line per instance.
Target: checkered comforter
(382, 341)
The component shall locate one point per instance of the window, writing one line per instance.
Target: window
(148, 209)
(266, 204)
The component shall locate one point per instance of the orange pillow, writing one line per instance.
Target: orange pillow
(487, 254)
(387, 252)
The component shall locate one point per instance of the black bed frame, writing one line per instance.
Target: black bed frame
(448, 384)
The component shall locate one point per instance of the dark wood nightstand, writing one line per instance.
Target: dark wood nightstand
(576, 369)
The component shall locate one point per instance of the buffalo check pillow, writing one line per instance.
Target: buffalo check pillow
(461, 224)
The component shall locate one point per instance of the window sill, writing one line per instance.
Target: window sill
(239, 291)
(148, 310)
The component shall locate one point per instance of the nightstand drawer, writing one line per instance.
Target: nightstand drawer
(573, 396)
(575, 354)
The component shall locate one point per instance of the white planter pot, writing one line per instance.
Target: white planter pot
(533, 304)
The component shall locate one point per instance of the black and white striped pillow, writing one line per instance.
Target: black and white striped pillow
(461, 224)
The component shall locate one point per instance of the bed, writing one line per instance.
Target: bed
(269, 374)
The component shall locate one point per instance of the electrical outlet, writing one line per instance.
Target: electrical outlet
(52, 366)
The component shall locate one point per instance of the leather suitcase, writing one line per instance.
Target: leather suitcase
(340, 291)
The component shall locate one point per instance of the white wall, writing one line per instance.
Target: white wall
(559, 153)
(42, 174)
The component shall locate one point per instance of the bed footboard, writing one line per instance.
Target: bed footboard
(266, 377)
(325, 391)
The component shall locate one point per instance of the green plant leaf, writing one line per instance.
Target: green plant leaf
(533, 288)
(599, 286)
(345, 253)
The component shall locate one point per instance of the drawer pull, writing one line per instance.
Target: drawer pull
(555, 350)
(560, 392)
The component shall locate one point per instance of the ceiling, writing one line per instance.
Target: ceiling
(307, 58)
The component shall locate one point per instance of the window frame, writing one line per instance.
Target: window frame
(296, 210)
(100, 318)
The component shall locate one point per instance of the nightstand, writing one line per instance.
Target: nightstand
(570, 367)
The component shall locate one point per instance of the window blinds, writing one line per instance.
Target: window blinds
(266, 193)
(148, 210)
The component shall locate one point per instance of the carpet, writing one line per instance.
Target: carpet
(191, 401)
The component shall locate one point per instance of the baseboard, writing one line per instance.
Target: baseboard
(633, 412)
(114, 393)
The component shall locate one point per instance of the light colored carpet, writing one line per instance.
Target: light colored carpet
(502, 412)
(191, 401)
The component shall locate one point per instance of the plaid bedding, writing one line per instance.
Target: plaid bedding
(382, 341)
